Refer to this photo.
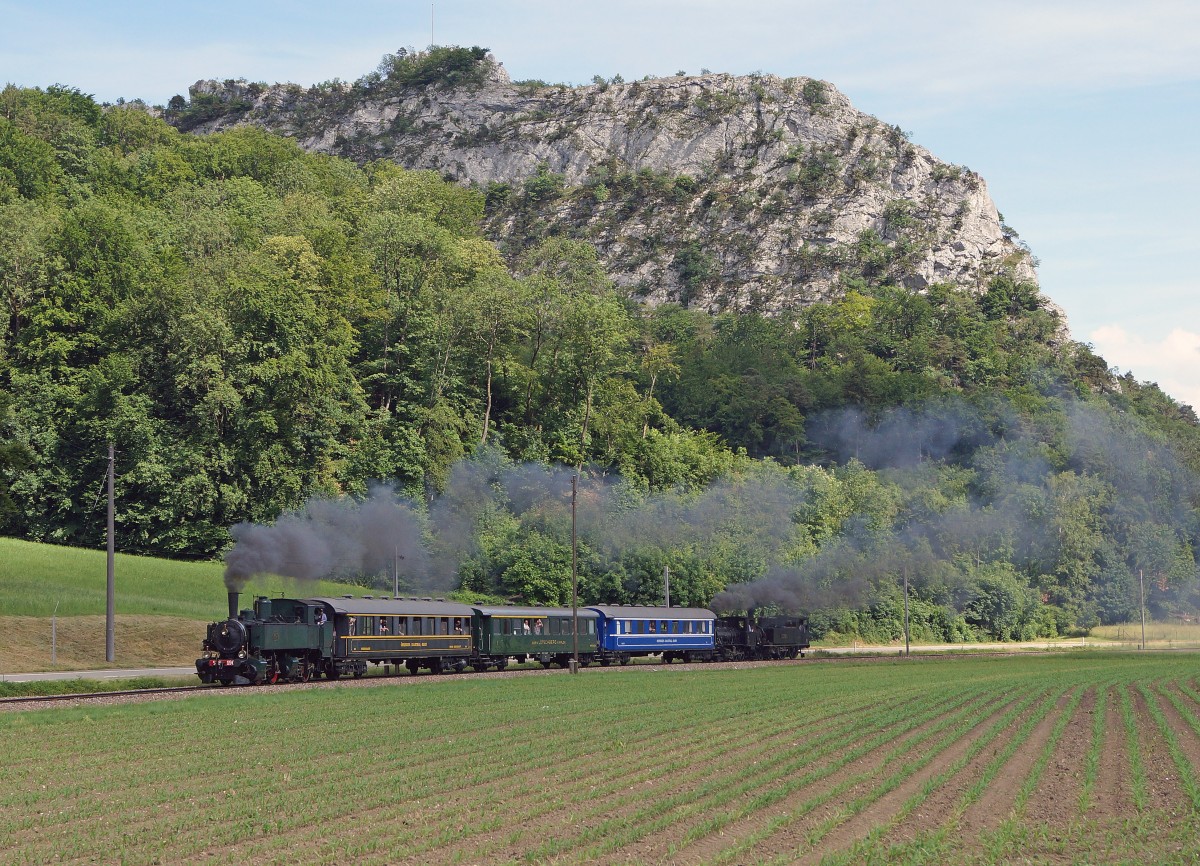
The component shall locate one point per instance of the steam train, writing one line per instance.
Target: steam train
(298, 639)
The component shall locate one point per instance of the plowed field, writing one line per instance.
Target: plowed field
(1073, 758)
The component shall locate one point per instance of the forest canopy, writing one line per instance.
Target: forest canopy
(257, 329)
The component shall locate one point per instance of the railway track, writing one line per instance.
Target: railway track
(83, 696)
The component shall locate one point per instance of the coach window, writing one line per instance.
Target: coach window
(416, 625)
(444, 625)
(553, 625)
(401, 625)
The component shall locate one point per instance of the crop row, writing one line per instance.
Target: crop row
(850, 762)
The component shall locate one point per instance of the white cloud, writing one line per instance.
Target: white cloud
(1173, 362)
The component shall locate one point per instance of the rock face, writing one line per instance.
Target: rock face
(748, 192)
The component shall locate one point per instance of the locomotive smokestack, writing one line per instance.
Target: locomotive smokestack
(233, 604)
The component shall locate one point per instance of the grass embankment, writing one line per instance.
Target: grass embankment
(161, 606)
(80, 686)
(934, 761)
(1158, 634)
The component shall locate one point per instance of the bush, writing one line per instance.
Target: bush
(440, 66)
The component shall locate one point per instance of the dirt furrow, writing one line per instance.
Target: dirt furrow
(1113, 795)
(942, 803)
(837, 825)
(1163, 787)
(1055, 801)
(996, 803)
(1185, 735)
(605, 796)
(660, 849)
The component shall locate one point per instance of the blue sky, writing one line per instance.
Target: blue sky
(1083, 117)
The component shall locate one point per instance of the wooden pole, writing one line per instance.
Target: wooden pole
(110, 649)
(574, 579)
(1142, 584)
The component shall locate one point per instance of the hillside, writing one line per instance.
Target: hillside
(329, 363)
(750, 193)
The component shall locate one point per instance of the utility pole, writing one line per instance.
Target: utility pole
(431, 42)
(667, 584)
(110, 647)
(906, 610)
(1142, 584)
(54, 635)
(574, 579)
(396, 573)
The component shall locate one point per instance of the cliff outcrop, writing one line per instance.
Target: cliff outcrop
(751, 192)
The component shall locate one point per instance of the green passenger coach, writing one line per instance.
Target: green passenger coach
(414, 633)
(542, 634)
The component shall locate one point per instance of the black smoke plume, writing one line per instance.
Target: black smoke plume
(332, 538)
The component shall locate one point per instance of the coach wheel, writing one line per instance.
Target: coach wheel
(435, 666)
(624, 658)
(305, 673)
(331, 671)
(605, 662)
(359, 670)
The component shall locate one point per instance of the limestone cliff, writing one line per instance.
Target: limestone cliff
(747, 192)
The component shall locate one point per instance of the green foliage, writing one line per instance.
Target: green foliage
(440, 66)
(544, 185)
(253, 325)
(818, 173)
(815, 93)
(696, 268)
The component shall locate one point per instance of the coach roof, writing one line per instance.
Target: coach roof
(394, 606)
(623, 612)
(530, 612)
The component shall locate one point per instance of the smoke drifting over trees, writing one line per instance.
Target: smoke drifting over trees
(1000, 528)
(341, 538)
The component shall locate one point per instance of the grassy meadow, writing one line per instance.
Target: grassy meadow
(1079, 758)
(161, 606)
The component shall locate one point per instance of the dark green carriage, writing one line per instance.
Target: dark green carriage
(542, 634)
(408, 632)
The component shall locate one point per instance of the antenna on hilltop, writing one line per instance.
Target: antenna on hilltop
(432, 4)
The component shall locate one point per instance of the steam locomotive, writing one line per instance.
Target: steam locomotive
(298, 639)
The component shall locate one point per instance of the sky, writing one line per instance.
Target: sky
(1082, 117)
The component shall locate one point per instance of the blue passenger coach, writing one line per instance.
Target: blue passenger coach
(684, 633)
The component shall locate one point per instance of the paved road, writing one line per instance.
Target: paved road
(108, 674)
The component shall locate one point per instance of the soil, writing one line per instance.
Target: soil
(1055, 801)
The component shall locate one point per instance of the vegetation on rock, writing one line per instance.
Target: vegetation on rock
(255, 326)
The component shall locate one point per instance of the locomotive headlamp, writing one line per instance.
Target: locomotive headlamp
(241, 654)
